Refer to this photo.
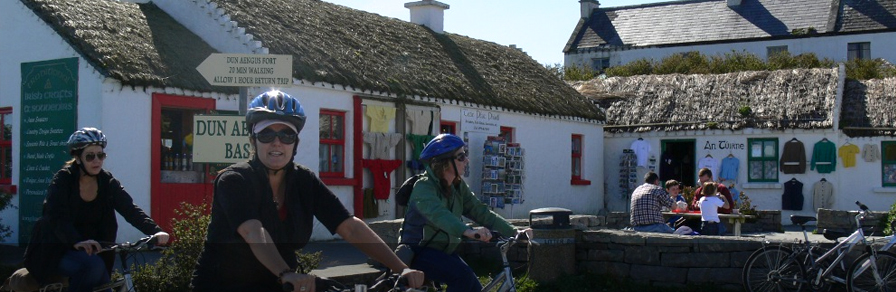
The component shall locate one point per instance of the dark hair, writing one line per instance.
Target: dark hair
(438, 167)
(651, 177)
(671, 183)
(709, 189)
(704, 171)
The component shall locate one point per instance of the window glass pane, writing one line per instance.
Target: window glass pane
(6, 155)
(325, 126)
(771, 149)
(889, 174)
(336, 158)
(755, 170)
(338, 127)
(322, 157)
(576, 167)
(771, 170)
(756, 149)
(889, 151)
(7, 127)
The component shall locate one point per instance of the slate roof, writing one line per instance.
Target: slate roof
(139, 45)
(702, 21)
(783, 99)
(348, 47)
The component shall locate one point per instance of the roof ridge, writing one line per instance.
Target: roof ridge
(217, 15)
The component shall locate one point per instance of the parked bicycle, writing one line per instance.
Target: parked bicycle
(388, 282)
(782, 268)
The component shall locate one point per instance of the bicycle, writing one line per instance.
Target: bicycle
(779, 268)
(503, 282)
(388, 282)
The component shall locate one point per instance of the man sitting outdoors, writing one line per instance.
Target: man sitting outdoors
(647, 203)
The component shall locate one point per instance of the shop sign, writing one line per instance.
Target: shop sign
(474, 120)
(49, 115)
(220, 139)
(248, 70)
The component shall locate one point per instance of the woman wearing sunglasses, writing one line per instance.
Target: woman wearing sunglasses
(442, 197)
(264, 210)
(79, 212)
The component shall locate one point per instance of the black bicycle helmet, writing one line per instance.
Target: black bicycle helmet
(276, 105)
(84, 137)
(442, 146)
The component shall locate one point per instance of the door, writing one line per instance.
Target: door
(678, 161)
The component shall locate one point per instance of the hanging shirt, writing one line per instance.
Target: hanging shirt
(380, 117)
(730, 165)
(421, 121)
(642, 151)
(793, 158)
(823, 195)
(381, 143)
(848, 153)
(708, 162)
(870, 152)
(824, 156)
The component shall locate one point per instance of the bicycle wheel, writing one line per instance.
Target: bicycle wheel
(878, 274)
(773, 268)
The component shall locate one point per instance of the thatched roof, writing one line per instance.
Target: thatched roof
(801, 98)
(139, 45)
(685, 22)
(869, 107)
(348, 47)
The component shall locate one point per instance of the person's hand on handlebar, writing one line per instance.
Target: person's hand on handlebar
(481, 234)
(525, 234)
(414, 277)
(89, 246)
(162, 237)
(300, 282)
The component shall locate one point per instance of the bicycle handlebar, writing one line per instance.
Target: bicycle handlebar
(496, 234)
(862, 206)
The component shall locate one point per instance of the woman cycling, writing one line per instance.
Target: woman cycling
(442, 197)
(80, 212)
(264, 210)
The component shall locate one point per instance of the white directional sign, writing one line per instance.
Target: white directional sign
(247, 70)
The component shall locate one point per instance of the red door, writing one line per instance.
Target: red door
(174, 178)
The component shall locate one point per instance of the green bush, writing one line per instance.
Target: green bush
(885, 224)
(575, 73)
(5, 199)
(173, 271)
(736, 61)
(684, 63)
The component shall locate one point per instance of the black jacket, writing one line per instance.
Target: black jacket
(58, 232)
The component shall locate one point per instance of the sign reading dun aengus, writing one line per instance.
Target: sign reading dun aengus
(220, 139)
(247, 70)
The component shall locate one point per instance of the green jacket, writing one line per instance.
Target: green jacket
(444, 213)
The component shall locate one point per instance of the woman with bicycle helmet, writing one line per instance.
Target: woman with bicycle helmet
(264, 210)
(442, 197)
(79, 212)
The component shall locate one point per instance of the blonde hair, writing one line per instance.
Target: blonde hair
(709, 189)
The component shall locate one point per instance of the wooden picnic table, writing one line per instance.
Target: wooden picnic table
(733, 219)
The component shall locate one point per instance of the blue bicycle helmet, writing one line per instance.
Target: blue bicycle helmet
(84, 137)
(442, 146)
(275, 105)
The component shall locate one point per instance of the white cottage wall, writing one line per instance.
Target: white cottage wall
(862, 182)
(30, 39)
(833, 47)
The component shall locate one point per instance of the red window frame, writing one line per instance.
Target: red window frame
(507, 133)
(577, 153)
(5, 178)
(447, 127)
(329, 142)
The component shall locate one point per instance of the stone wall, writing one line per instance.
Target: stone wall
(845, 220)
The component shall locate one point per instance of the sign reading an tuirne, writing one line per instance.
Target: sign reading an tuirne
(220, 139)
(247, 70)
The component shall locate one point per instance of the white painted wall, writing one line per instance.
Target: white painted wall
(831, 47)
(862, 182)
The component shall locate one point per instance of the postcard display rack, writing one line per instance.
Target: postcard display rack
(502, 173)
(628, 173)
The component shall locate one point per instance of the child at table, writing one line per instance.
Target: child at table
(709, 206)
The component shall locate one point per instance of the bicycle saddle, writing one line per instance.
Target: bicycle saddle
(800, 220)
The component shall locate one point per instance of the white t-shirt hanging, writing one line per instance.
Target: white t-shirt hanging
(642, 150)
(711, 163)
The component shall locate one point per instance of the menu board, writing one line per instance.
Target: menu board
(49, 115)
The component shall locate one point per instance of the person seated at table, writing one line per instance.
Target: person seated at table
(647, 205)
(705, 175)
(710, 204)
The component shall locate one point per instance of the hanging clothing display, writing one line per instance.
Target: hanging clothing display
(870, 152)
(380, 118)
(824, 156)
(793, 158)
(730, 166)
(847, 154)
(381, 143)
(709, 162)
(422, 121)
(822, 195)
(642, 151)
(792, 199)
(381, 171)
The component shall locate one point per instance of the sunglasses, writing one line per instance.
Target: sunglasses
(461, 157)
(286, 136)
(91, 156)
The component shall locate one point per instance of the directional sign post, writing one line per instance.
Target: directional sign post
(247, 70)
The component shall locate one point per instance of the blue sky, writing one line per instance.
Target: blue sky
(540, 27)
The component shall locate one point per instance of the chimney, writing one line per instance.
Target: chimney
(588, 6)
(733, 3)
(429, 13)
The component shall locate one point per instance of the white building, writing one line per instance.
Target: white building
(129, 69)
(752, 117)
(612, 36)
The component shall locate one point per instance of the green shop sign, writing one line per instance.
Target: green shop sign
(49, 116)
